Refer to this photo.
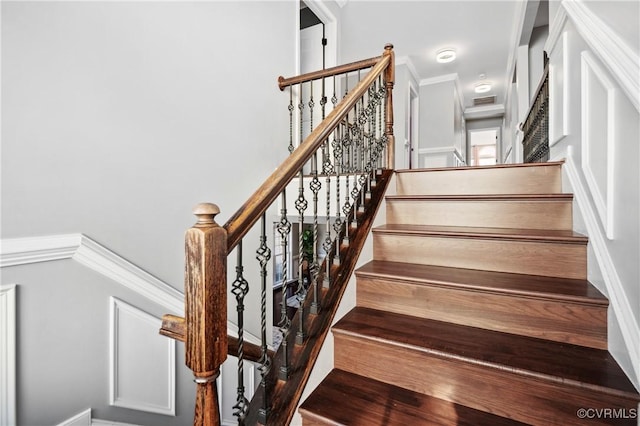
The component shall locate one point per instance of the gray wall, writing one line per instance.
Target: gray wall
(437, 115)
(119, 117)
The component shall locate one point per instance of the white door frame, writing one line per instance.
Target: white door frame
(413, 114)
(498, 130)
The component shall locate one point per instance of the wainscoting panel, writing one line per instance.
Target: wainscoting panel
(598, 137)
(142, 362)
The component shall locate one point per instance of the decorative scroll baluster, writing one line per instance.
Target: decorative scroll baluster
(263, 255)
(301, 206)
(346, 208)
(239, 288)
(337, 155)
(327, 170)
(311, 105)
(284, 228)
(301, 109)
(314, 267)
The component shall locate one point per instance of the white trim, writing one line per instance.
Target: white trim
(21, 251)
(617, 296)
(485, 111)
(437, 150)
(115, 399)
(558, 131)
(439, 79)
(604, 205)
(458, 86)
(620, 59)
(100, 422)
(405, 60)
(556, 29)
(516, 32)
(81, 419)
(8, 403)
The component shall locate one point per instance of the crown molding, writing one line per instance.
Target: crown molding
(405, 60)
(488, 111)
(439, 79)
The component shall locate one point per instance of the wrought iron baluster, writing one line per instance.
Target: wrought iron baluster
(327, 170)
(239, 288)
(337, 156)
(301, 108)
(263, 255)
(284, 228)
(346, 208)
(311, 105)
(290, 108)
(315, 270)
(301, 206)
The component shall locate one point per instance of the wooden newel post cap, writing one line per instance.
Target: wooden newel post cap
(388, 46)
(206, 213)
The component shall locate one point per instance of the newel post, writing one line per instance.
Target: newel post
(206, 309)
(390, 78)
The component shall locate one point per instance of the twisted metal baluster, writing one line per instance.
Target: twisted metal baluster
(346, 208)
(315, 188)
(239, 288)
(311, 105)
(358, 134)
(263, 255)
(301, 108)
(284, 227)
(290, 108)
(301, 206)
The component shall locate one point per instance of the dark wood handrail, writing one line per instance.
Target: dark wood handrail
(240, 223)
(329, 72)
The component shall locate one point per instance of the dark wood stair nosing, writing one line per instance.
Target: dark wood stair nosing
(501, 291)
(469, 359)
(468, 232)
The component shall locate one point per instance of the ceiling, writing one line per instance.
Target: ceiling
(483, 33)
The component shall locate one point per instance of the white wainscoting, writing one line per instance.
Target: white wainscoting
(598, 137)
(85, 419)
(142, 362)
(8, 415)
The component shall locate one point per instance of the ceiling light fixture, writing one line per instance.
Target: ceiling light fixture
(482, 88)
(446, 55)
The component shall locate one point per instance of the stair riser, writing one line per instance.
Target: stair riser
(557, 320)
(532, 400)
(502, 255)
(490, 213)
(514, 180)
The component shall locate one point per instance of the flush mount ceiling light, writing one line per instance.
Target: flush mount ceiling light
(482, 87)
(446, 55)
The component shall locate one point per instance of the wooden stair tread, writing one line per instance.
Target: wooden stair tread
(485, 197)
(541, 235)
(540, 359)
(344, 398)
(493, 166)
(535, 286)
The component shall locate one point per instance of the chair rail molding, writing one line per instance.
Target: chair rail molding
(616, 55)
(617, 296)
(93, 255)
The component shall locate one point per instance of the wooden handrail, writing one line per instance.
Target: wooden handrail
(329, 72)
(541, 84)
(240, 223)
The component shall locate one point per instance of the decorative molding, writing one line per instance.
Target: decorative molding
(99, 258)
(620, 59)
(100, 422)
(516, 32)
(486, 111)
(8, 403)
(439, 79)
(130, 374)
(81, 419)
(22, 251)
(592, 110)
(559, 91)
(617, 296)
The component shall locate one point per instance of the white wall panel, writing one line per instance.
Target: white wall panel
(598, 137)
(142, 370)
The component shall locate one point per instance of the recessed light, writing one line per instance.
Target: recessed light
(482, 88)
(446, 55)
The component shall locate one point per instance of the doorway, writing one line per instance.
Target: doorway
(483, 146)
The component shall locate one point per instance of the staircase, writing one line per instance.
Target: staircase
(475, 311)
